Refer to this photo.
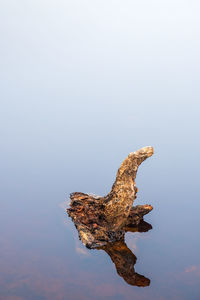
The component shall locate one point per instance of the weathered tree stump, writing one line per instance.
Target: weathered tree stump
(101, 220)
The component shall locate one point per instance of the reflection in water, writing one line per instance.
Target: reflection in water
(124, 259)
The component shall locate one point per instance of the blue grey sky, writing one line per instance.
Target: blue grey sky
(96, 76)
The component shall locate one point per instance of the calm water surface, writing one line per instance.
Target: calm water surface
(82, 85)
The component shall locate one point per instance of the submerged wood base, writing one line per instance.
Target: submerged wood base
(93, 228)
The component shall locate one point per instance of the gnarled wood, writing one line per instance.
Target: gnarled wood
(103, 219)
(119, 201)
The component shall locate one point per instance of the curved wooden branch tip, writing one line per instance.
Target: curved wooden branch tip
(119, 201)
(102, 219)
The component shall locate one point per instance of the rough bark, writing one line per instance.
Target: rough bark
(100, 220)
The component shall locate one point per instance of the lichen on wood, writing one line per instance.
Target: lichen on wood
(100, 220)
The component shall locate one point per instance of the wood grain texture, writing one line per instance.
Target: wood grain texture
(100, 220)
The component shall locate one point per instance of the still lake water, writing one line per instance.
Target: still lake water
(82, 85)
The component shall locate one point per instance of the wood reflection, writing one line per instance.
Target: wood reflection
(124, 259)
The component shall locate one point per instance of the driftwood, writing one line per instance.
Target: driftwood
(101, 220)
